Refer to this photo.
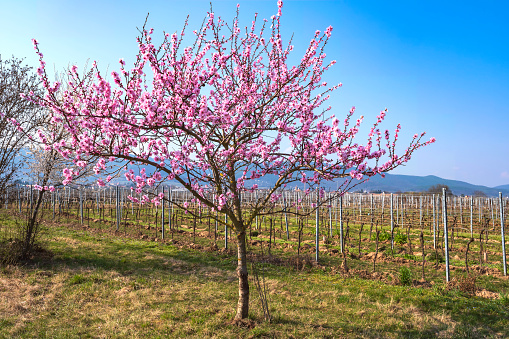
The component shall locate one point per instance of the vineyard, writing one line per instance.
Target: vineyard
(460, 233)
(354, 267)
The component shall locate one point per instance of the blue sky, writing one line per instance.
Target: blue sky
(438, 66)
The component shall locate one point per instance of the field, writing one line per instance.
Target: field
(106, 274)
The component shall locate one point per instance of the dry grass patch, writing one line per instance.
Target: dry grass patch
(123, 305)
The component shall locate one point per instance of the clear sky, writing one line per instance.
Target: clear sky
(438, 66)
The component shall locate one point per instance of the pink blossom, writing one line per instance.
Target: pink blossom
(236, 106)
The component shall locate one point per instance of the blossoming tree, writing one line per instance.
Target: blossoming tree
(215, 116)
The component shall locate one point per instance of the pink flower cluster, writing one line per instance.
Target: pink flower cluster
(44, 188)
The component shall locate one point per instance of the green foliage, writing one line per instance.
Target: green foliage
(383, 236)
(400, 238)
(405, 276)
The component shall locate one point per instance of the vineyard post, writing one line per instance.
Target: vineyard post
(496, 210)
(336, 212)
(402, 211)
(420, 211)
(453, 206)
(6, 198)
(170, 208)
(401, 224)
(397, 209)
(97, 201)
(59, 204)
(295, 198)
(330, 216)
(471, 216)
(117, 206)
(383, 206)
(503, 232)
(461, 211)
(492, 216)
(53, 202)
(446, 244)
(121, 207)
(256, 221)
(360, 205)
(341, 242)
(81, 206)
(286, 219)
(19, 200)
(132, 205)
(371, 212)
(162, 216)
(434, 223)
(479, 203)
(226, 231)
(392, 222)
(122, 201)
(84, 198)
(317, 223)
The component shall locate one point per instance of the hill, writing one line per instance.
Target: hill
(411, 183)
(391, 183)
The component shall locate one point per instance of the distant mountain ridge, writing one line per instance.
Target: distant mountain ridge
(412, 183)
(404, 183)
(391, 183)
(503, 187)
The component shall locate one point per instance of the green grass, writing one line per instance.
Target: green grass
(98, 284)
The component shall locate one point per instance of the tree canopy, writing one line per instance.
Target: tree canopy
(215, 116)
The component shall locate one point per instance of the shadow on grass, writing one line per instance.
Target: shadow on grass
(128, 257)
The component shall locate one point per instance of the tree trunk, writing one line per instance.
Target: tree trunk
(243, 303)
(30, 231)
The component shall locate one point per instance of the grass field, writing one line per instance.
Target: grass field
(88, 283)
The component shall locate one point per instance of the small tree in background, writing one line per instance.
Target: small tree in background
(215, 117)
(18, 120)
(16, 79)
(41, 166)
(437, 189)
(479, 194)
(44, 169)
